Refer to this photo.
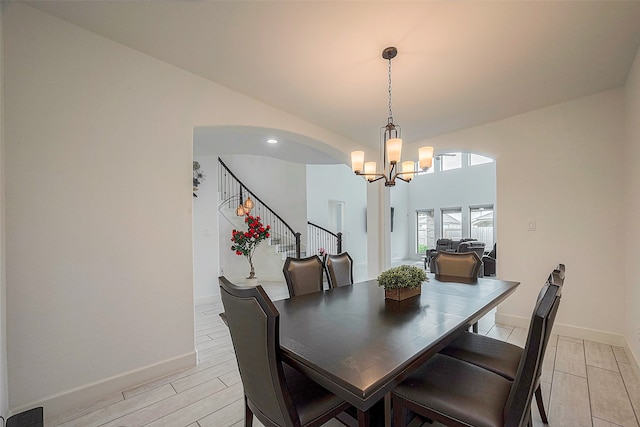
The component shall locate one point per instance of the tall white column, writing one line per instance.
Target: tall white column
(378, 229)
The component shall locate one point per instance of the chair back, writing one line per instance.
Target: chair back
(254, 324)
(518, 407)
(560, 269)
(443, 244)
(339, 270)
(462, 264)
(494, 252)
(557, 276)
(472, 246)
(303, 275)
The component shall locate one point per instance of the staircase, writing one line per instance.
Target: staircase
(227, 209)
(283, 241)
(232, 192)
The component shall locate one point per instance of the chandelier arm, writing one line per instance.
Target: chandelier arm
(379, 176)
(391, 170)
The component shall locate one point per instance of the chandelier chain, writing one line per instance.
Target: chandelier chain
(390, 113)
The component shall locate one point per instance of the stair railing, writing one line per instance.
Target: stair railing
(321, 238)
(232, 191)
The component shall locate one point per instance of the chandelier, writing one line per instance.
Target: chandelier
(244, 208)
(391, 146)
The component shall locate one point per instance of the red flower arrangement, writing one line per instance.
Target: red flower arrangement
(245, 242)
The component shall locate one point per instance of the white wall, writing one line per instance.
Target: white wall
(338, 183)
(559, 166)
(4, 393)
(206, 235)
(631, 209)
(98, 148)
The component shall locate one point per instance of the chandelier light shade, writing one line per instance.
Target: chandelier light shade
(425, 155)
(394, 150)
(248, 204)
(370, 171)
(408, 168)
(357, 161)
(391, 146)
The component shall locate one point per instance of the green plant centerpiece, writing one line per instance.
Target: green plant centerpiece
(402, 282)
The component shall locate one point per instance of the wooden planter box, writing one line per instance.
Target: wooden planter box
(400, 294)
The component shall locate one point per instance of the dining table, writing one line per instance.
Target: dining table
(360, 345)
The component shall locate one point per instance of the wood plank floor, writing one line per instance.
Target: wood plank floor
(584, 384)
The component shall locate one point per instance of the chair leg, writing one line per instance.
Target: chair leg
(248, 415)
(543, 414)
(399, 412)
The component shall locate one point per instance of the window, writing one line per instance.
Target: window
(481, 224)
(450, 161)
(477, 159)
(426, 231)
(452, 223)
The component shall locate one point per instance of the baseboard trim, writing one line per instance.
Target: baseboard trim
(568, 330)
(633, 360)
(87, 394)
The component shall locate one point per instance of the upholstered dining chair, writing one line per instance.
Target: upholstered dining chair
(458, 264)
(303, 275)
(339, 270)
(441, 245)
(489, 262)
(498, 356)
(277, 394)
(464, 264)
(457, 393)
(557, 275)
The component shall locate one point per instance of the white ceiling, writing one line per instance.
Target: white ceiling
(459, 63)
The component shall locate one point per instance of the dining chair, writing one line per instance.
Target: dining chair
(458, 264)
(497, 356)
(457, 393)
(489, 262)
(277, 394)
(303, 275)
(557, 275)
(339, 270)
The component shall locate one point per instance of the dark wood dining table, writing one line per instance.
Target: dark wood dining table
(359, 345)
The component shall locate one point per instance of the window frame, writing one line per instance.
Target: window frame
(443, 211)
(493, 227)
(433, 219)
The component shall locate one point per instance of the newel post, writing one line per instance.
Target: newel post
(297, 244)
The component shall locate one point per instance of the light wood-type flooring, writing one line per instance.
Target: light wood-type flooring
(585, 383)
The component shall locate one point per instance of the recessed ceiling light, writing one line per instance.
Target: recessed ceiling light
(272, 141)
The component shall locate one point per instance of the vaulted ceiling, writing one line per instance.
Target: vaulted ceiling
(459, 64)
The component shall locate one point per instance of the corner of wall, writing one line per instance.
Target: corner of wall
(4, 394)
